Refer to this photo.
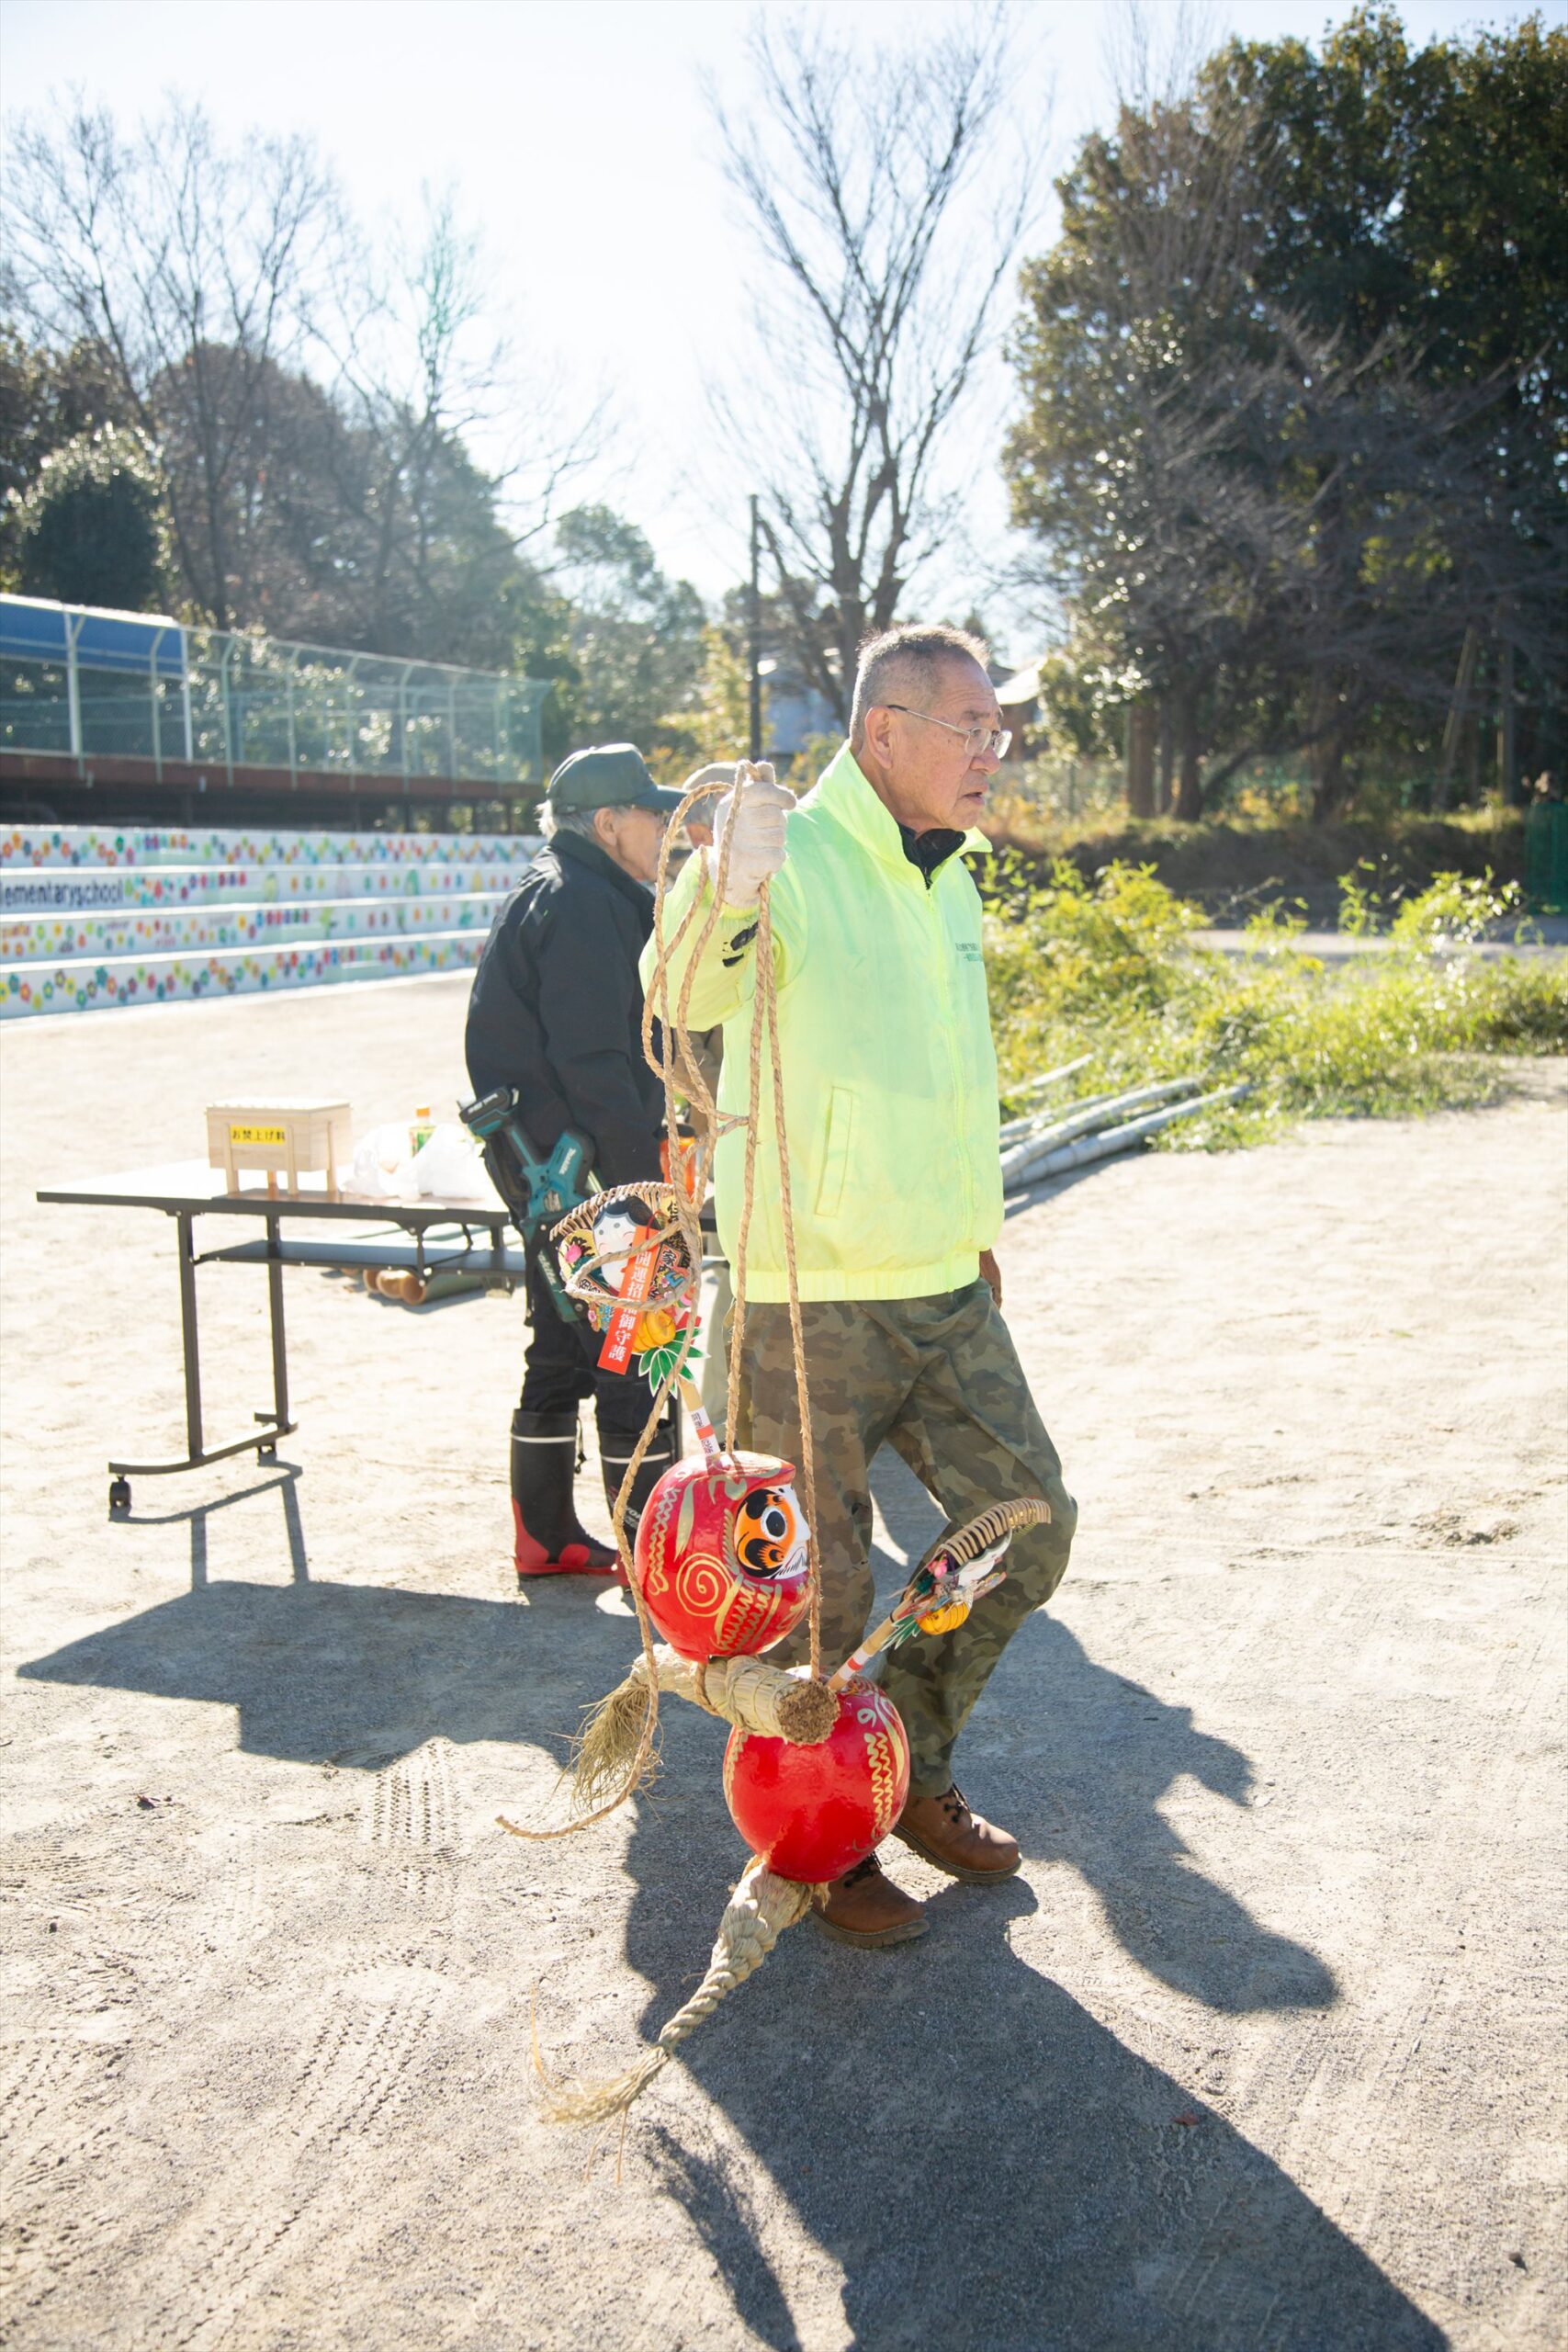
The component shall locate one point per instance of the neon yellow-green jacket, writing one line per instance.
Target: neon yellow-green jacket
(885, 1036)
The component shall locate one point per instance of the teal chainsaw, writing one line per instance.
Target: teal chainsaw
(538, 1189)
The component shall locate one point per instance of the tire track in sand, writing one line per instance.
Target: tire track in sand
(396, 1911)
(56, 2131)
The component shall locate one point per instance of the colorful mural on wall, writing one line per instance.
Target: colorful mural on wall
(92, 919)
(55, 890)
(177, 930)
(105, 845)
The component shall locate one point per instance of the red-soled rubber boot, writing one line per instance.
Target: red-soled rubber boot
(550, 1541)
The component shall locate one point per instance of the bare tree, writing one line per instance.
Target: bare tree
(195, 269)
(887, 191)
(312, 397)
(1154, 55)
(413, 378)
(417, 376)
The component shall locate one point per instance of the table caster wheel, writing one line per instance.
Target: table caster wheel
(120, 1497)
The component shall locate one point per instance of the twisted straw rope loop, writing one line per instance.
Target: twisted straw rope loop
(978, 1535)
(761, 1906)
(672, 1061)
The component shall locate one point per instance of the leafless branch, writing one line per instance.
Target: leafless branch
(194, 269)
(887, 191)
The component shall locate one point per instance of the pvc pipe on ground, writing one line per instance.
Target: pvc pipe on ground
(1104, 1110)
(1115, 1139)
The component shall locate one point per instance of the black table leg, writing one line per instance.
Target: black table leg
(190, 1340)
(273, 1425)
(267, 1450)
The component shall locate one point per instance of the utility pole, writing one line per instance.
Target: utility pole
(754, 638)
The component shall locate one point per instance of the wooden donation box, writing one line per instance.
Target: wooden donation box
(287, 1139)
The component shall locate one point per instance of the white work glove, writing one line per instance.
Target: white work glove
(757, 843)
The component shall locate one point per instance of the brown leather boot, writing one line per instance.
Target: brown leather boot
(864, 1907)
(945, 1831)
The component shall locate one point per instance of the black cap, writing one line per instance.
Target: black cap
(611, 775)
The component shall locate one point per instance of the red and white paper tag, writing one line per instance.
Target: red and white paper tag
(636, 1281)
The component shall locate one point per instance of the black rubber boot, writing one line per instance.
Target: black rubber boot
(549, 1540)
(615, 1452)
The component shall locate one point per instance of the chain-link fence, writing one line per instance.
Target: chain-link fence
(85, 685)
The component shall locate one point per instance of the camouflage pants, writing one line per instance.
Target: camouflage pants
(939, 1380)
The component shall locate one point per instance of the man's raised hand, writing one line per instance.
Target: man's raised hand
(758, 806)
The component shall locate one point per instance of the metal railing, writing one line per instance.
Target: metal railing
(240, 701)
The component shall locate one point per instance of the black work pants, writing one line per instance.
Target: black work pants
(560, 1371)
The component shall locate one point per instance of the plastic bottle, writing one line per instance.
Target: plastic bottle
(423, 1127)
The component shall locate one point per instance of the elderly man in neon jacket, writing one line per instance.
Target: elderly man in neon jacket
(890, 1091)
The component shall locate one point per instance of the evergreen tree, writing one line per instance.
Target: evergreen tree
(1293, 380)
(93, 528)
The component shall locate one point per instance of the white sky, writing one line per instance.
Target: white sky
(575, 138)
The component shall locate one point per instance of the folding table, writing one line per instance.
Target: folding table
(190, 1189)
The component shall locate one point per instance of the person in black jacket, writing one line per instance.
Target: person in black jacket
(556, 1014)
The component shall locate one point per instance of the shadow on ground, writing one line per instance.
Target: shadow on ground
(985, 2163)
(353, 1674)
(990, 2167)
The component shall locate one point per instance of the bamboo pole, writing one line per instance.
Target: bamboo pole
(1025, 1158)
(1114, 1139)
(1033, 1086)
(1036, 1123)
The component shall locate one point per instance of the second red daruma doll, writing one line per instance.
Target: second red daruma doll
(813, 1813)
(721, 1555)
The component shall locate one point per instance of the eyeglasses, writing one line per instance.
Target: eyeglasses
(993, 740)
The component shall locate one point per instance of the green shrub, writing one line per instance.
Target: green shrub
(1107, 969)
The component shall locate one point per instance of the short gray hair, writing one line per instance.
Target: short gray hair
(908, 660)
(554, 820)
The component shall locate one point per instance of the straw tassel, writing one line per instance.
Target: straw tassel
(761, 1906)
(746, 1691)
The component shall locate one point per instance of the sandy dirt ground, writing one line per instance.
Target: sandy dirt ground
(1262, 2049)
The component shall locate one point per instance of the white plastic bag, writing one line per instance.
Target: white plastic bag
(382, 1163)
(449, 1168)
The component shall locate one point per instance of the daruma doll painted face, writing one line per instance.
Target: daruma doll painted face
(721, 1559)
(813, 1813)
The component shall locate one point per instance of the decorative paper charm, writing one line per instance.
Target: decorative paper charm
(599, 1260)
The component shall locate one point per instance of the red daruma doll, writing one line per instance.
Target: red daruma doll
(721, 1558)
(813, 1813)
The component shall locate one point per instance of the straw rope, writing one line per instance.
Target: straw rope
(616, 1749)
(761, 1906)
(742, 1691)
(672, 1060)
(745, 1691)
(787, 1218)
